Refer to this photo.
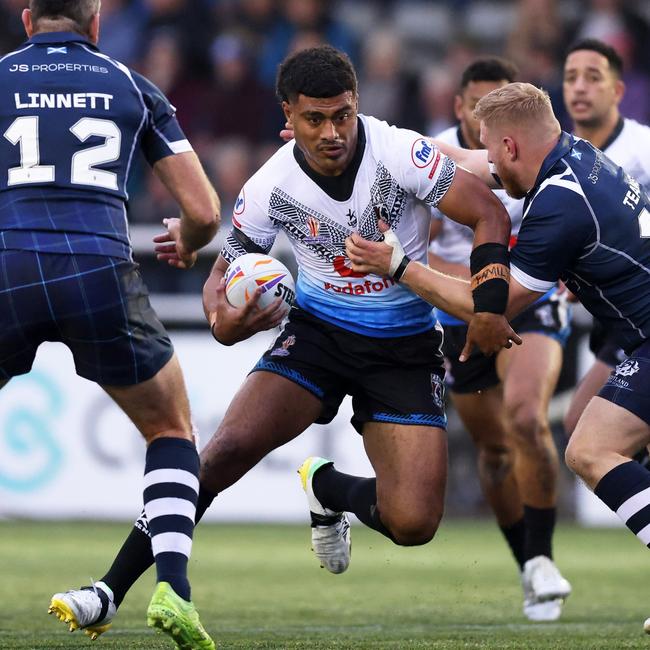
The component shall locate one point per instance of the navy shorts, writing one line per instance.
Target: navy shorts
(629, 384)
(605, 348)
(397, 380)
(98, 306)
(549, 317)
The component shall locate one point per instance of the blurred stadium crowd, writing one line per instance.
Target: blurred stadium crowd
(216, 61)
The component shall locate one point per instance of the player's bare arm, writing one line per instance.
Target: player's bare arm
(440, 264)
(473, 160)
(490, 332)
(229, 324)
(184, 177)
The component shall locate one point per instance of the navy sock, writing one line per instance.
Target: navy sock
(171, 479)
(345, 493)
(626, 490)
(136, 556)
(540, 525)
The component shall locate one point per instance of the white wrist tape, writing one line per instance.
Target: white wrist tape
(397, 255)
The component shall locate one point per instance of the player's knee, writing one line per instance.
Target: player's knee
(414, 529)
(496, 461)
(579, 457)
(227, 448)
(526, 422)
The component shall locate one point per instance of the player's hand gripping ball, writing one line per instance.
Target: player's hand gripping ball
(251, 271)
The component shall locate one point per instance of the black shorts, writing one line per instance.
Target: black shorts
(629, 383)
(549, 317)
(98, 306)
(396, 380)
(604, 348)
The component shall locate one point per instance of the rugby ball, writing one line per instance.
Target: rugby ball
(251, 271)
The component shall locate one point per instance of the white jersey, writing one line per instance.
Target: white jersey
(454, 241)
(629, 147)
(391, 172)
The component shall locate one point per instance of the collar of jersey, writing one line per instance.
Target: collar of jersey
(60, 37)
(561, 149)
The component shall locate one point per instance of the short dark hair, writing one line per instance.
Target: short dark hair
(593, 44)
(316, 72)
(489, 69)
(79, 12)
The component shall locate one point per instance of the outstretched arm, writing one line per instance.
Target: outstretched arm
(489, 332)
(473, 160)
(183, 175)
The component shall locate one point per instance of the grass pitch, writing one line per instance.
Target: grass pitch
(259, 586)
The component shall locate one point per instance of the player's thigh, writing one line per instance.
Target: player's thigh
(530, 372)
(482, 414)
(268, 411)
(607, 435)
(410, 463)
(589, 386)
(158, 406)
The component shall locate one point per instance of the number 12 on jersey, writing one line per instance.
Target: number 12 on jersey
(25, 131)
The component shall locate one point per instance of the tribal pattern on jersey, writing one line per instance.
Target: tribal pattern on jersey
(446, 179)
(399, 172)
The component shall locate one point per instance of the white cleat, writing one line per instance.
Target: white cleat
(543, 580)
(332, 546)
(330, 540)
(84, 609)
(543, 612)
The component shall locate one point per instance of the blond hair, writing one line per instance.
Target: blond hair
(515, 103)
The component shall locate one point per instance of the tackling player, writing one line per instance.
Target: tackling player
(587, 223)
(503, 399)
(349, 333)
(593, 89)
(72, 120)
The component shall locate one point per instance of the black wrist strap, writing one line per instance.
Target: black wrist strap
(490, 267)
(397, 276)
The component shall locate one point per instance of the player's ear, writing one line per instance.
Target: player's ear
(286, 109)
(26, 17)
(458, 106)
(619, 89)
(511, 148)
(93, 29)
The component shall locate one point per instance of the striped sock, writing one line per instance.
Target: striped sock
(171, 486)
(626, 490)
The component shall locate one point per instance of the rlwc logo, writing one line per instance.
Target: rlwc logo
(314, 226)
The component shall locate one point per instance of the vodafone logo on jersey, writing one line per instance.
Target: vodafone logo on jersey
(361, 288)
(423, 153)
(344, 270)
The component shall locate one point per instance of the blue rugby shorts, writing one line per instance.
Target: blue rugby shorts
(98, 306)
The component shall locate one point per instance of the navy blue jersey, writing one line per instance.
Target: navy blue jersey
(73, 120)
(588, 223)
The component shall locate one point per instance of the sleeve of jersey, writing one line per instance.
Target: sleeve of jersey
(422, 168)
(162, 135)
(253, 230)
(553, 234)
